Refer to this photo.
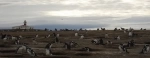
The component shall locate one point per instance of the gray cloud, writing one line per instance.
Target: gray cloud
(136, 20)
(3, 4)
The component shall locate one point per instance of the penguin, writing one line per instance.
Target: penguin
(13, 37)
(129, 44)
(54, 34)
(21, 49)
(106, 35)
(95, 41)
(57, 35)
(87, 49)
(101, 41)
(20, 37)
(31, 52)
(125, 31)
(17, 41)
(48, 49)
(130, 34)
(109, 42)
(34, 41)
(115, 29)
(145, 49)
(56, 39)
(125, 50)
(76, 34)
(67, 46)
(82, 36)
(73, 44)
(36, 36)
(122, 48)
(132, 42)
(3, 36)
(5, 39)
(118, 37)
(48, 36)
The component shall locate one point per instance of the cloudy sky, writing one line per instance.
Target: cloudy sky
(75, 13)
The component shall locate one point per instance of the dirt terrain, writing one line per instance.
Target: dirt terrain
(7, 49)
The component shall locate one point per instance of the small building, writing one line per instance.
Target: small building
(25, 26)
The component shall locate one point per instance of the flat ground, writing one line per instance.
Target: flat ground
(7, 49)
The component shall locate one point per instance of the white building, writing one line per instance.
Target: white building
(25, 26)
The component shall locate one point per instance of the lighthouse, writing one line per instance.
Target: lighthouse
(25, 22)
(24, 26)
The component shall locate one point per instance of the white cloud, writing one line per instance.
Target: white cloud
(32, 10)
(112, 13)
(115, 8)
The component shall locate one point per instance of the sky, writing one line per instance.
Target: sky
(74, 14)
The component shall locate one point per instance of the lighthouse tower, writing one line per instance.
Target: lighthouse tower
(25, 23)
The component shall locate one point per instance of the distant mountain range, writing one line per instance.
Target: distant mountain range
(63, 26)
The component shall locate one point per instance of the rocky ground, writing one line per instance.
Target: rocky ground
(7, 49)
